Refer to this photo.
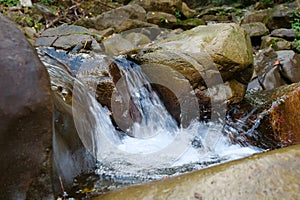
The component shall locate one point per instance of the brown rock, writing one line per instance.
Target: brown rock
(168, 6)
(280, 16)
(256, 29)
(256, 16)
(114, 18)
(161, 18)
(268, 119)
(284, 117)
(26, 111)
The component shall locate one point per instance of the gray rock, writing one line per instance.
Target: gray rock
(272, 79)
(45, 41)
(26, 114)
(116, 17)
(291, 68)
(69, 37)
(284, 33)
(137, 39)
(65, 30)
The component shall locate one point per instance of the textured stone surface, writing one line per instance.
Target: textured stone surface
(118, 16)
(256, 29)
(168, 6)
(226, 46)
(25, 119)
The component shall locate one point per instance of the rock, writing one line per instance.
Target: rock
(283, 117)
(268, 175)
(190, 23)
(133, 24)
(68, 37)
(276, 43)
(175, 91)
(44, 10)
(264, 60)
(256, 16)
(255, 29)
(162, 19)
(186, 11)
(255, 85)
(235, 91)
(200, 55)
(272, 79)
(267, 119)
(270, 76)
(290, 65)
(167, 6)
(137, 39)
(280, 16)
(29, 32)
(214, 18)
(289, 34)
(227, 44)
(25, 119)
(116, 44)
(116, 17)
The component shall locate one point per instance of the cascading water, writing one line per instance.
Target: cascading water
(154, 146)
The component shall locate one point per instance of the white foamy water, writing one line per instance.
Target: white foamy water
(156, 142)
(156, 145)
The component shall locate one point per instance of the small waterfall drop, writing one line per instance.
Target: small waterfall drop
(154, 146)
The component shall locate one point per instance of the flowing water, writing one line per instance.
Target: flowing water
(154, 146)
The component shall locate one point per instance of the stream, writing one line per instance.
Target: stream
(154, 146)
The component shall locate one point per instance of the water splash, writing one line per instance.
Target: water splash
(154, 146)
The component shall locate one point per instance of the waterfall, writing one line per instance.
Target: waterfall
(154, 145)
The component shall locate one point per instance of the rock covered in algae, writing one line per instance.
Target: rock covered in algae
(271, 175)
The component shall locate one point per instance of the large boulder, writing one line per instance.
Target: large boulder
(26, 114)
(200, 53)
(271, 175)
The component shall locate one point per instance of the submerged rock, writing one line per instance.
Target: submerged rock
(26, 113)
(271, 175)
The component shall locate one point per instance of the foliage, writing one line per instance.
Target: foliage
(295, 23)
(164, 19)
(10, 2)
(178, 14)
